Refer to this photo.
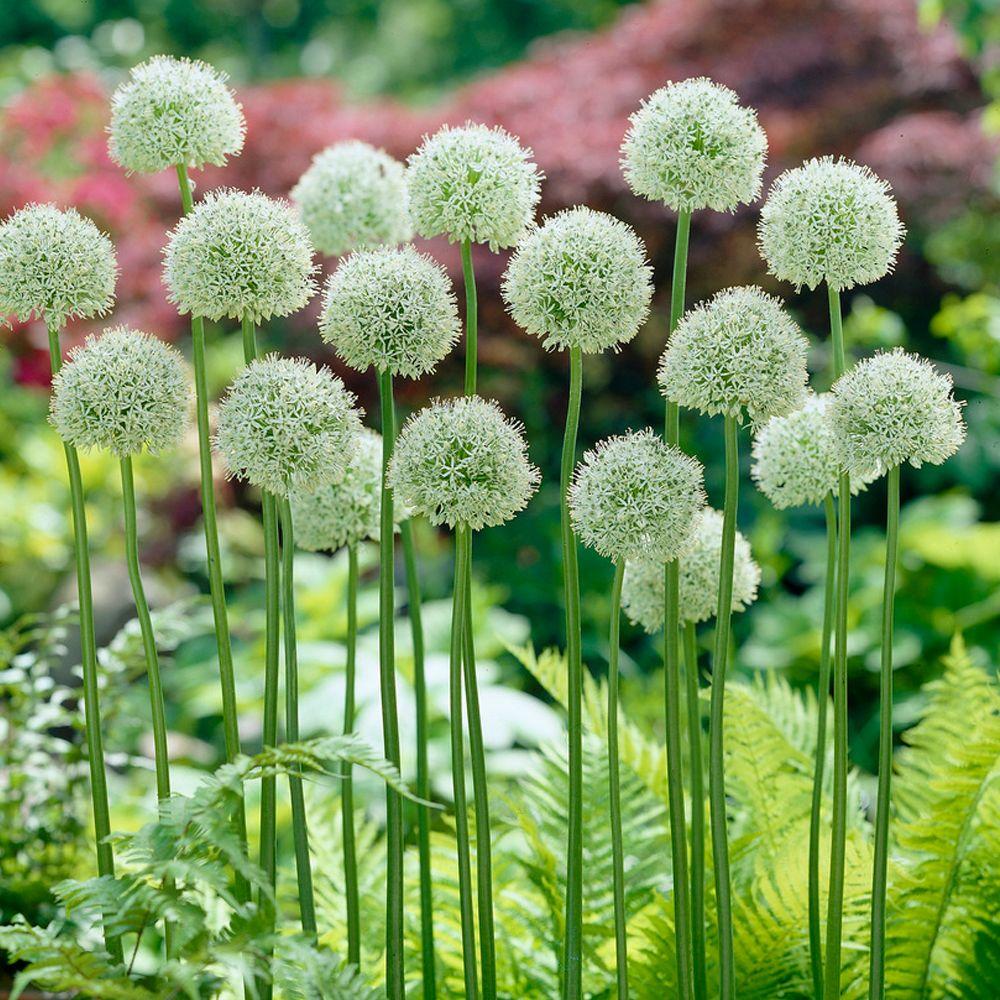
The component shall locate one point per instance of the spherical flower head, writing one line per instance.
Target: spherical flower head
(353, 197)
(580, 280)
(286, 425)
(174, 112)
(473, 183)
(740, 353)
(239, 255)
(124, 391)
(462, 462)
(635, 496)
(643, 588)
(893, 408)
(691, 145)
(345, 510)
(392, 309)
(54, 264)
(830, 220)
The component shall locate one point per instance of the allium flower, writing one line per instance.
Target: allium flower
(643, 587)
(346, 510)
(124, 391)
(174, 112)
(893, 408)
(473, 183)
(636, 496)
(286, 425)
(237, 255)
(54, 264)
(691, 145)
(391, 309)
(462, 462)
(581, 280)
(353, 197)
(830, 220)
(738, 352)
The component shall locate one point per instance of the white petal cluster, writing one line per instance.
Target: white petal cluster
(239, 254)
(738, 353)
(473, 183)
(892, 408)
(463, 462)
(286, 425)
(124, 391)
(691, 145)
(580, 280)
(830, 220)
(54, 264)
(345, 510)
(635, 496)
(353, 197)
(644, 588)
(174, 112)
(392, 309)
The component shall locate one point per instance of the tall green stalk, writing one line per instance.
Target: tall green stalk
(394, 968)
(300, 831)
(88, 658)
(614, 785)
(698, 950)
(573, 944)
(876, 979)
(351, 898)
(716, 758)
(822, 697)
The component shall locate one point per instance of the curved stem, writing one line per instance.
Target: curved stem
(876, 981)
(300, 830)
(347, 787)
(697, 811)
(822, 697)
(614, 786)
(573, 944)
(471, 319)
(394, 968)
(458, 613)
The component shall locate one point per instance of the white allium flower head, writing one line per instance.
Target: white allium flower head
(174, 112)
(473, 183)
(124, 391)
(830, 220)
(692, 145)
(580, 280)
(462, 462)
(635, 496)
(892, 408)
(239, 254)
(353, 197)
(391, 309)
(54, 264)
(286, 425)
(738, 353)
(345, 510)
(643, 588)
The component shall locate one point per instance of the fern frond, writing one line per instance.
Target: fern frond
(304, 972)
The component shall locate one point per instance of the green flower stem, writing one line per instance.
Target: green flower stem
(876, 980)
(573, 945)
(88, 656)
(300, 830)
(351, 897)
(458, 613)
(216, 585)
(698, 952)
(835, 901)
(471, 319)
(614, 784)
(716, 759)
(822, 697)
(394, 970)
(428, 969)
(671, 663)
